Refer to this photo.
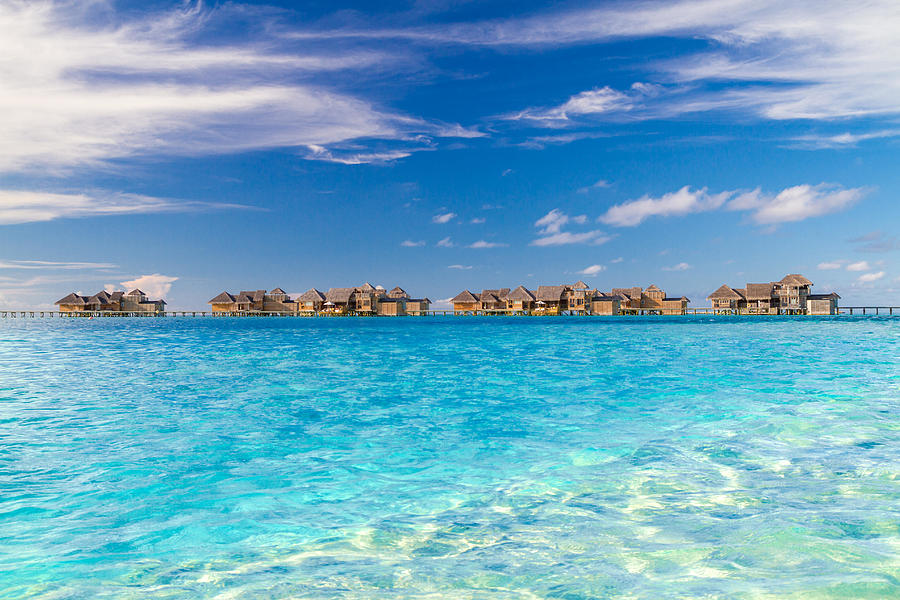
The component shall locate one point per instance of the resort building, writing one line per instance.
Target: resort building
(790, 295)
(417, 306)
(575, 299)
(134, 301)
(253, 301)
(310, 301)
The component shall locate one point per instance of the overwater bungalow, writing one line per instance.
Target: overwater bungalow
(494, 300)
(790, 295)
(465, 302)
(603, 304)
(134, 301)
(253, 301)
(338, 300)
(520, 301)
(549, 300)
(310, 301)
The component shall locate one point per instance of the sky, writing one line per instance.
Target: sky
(188, 148)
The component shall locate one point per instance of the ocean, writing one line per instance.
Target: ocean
(570, 458)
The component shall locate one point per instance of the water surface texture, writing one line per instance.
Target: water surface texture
(503, 458)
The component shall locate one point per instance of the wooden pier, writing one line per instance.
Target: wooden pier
(625, 312)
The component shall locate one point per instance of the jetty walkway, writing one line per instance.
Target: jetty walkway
(13, 314)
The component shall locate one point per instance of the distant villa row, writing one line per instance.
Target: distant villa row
(790, 295)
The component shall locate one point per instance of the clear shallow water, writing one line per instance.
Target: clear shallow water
(564, 458)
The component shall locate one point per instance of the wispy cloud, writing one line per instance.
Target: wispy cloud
(445, 243)
(443, 218)
(485, 244)
(477, 221)
(52, 265)
(80, 93)
(870, 277)
(17, 206)
(412, 244)
(876, 242)
(791, 204)
(841, 140)
(460, 267)
(155, 286)
(592, 270)
(598, 185)
(551, 234)
(682, 266)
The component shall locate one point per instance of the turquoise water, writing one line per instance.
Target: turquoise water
(509, 458)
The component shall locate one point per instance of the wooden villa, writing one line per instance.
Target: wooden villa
(254, 301)
(134, 301)
(788, 296)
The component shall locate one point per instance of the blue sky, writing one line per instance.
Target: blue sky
(439, 145)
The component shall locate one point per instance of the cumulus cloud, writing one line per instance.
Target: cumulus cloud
(551, 234)
(859, 266)
(485, 244)
(870, 277)
(443, 218)
(830, 266)
(796, 203)
(791, 204)
(682, 202)
(17, 206)
(155, 286)
(682, 266)
(592, 270)
(412, 244)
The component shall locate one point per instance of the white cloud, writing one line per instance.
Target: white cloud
(155, 286)
(317, 152)
(870, 277)
(46, 264)
(830, 266)
(552, 222)
(80, 93)
(601, 184)
(445, 243)
(841, 140)
(550, 229)
(682, 266)
(617, 260)
(18, 206)
(796, 203)
(506, 172)
(460, 267)
(477, 221)
(859, 266)
(412, 244)
(682, 202)
(443, 218)
(486, 244)
(791, 204)
(562, 238)
(592, 270)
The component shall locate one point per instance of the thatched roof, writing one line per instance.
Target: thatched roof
(135, 292)
(724, 293)
(398, 292)
(499, 295)
(520, 293)
(795, 279)
(277, 291)
(823, 296)
(312, 295)
(223, 298)
(759, 291)
(341, 295)
(629, 293)
(464, 296)
(653, 288)
(580, 285)
(550, 293)
(366, 287)
(681, 299)
(72, 298)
